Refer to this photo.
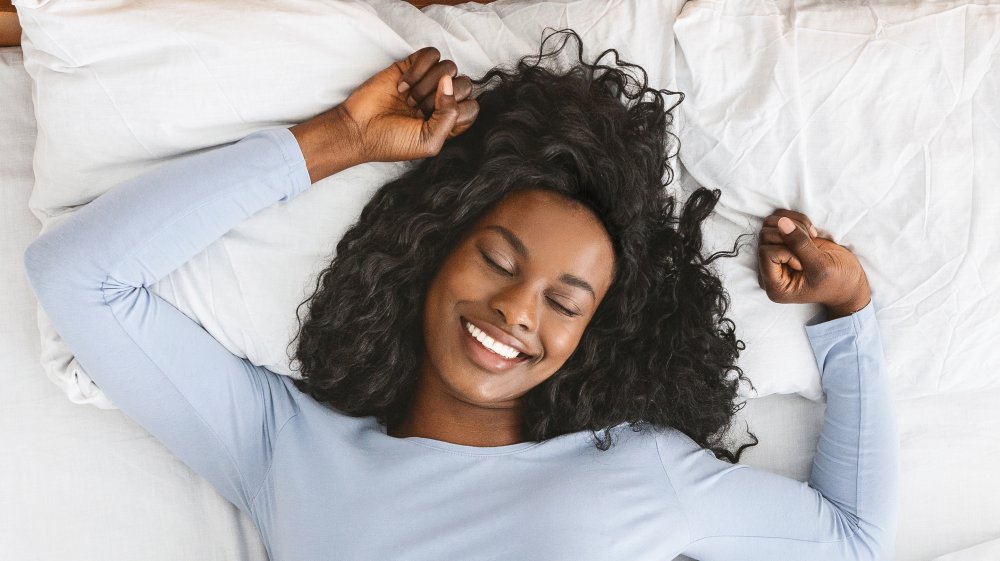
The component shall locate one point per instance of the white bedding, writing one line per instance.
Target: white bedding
(880, 121)
(81, 483)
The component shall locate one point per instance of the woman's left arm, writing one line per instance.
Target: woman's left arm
(847, 511)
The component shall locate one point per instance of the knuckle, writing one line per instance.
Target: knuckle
(450, 66)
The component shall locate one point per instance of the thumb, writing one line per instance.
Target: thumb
(442, 121)
(799, 242)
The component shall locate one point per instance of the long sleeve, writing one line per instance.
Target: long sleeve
(848, 509)
(217, 412)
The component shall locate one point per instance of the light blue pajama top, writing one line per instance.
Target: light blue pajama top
(321, 485)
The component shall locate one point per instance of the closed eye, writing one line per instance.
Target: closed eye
(562, 309)
(495, 265)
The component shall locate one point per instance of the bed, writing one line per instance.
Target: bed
(880, 122)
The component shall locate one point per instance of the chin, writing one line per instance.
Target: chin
(477, 388)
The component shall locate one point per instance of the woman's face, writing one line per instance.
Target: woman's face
(552, 264)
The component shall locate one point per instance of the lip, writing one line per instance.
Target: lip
(496, 334)
(486, 359)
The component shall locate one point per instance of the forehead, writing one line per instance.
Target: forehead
(531, 207)
(556, 231)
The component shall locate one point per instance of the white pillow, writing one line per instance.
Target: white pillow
(120, 87)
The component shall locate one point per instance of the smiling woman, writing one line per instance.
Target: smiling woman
(541, 227)
(558, 187)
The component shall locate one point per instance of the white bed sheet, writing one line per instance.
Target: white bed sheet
(79, 483)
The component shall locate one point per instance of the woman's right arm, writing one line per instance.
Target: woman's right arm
(91, 273)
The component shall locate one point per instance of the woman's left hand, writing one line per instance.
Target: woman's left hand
(392, 125)
(823, 272)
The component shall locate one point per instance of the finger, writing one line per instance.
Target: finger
(799, 242)
(796, 216)
(772, 221)
(760, 278)
(463, 87)
(442, 121)
(771, 235)
(468, 110)
(774, 277)
(423, 93)
(415, 66)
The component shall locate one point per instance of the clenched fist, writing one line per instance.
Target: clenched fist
(797, 266)
(404, 112)
(410, 108)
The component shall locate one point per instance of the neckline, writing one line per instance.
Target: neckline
(459, 448)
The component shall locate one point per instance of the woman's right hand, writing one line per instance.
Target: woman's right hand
(408, 110)
(797, 268)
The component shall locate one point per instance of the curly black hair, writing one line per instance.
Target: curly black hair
(658, 352)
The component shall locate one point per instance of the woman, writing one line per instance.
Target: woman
(475, 331)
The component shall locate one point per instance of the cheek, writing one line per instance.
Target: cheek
(461, 279)
(560, 340)
(452, 284)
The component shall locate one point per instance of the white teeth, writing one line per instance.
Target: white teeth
(488, 342)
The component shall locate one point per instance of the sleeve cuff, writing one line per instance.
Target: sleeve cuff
(291, 152)
(818, 326)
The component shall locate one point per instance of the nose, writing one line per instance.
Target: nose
(517, 304)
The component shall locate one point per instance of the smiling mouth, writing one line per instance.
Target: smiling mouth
(484, 357)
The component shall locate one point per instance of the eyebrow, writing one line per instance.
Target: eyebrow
(518, 245)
